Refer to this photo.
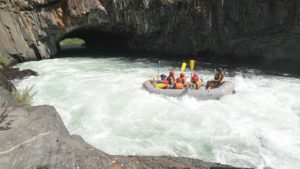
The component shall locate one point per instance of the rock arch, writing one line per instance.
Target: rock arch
(30, 30)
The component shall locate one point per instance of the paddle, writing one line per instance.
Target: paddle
(160, 85)
(158, 69)
(183, 66)
(192, 66)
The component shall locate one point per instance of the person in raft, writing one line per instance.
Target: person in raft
(183, 78)
(195, 82)
(162, 78)
(171, 78)
(164, 81)
(179, 83)
(218, 80)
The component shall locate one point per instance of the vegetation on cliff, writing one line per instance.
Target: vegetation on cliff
(4, 61)
(25, 96)
(71, 42)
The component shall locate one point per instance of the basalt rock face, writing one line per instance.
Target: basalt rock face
(269, 29)
(5, 83)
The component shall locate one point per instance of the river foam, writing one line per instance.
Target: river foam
(102, 100)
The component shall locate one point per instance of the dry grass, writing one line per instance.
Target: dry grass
(25, 96)
(72, 42)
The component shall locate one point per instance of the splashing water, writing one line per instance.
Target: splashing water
(102, 100)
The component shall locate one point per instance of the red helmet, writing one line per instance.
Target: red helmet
(179, 80)
(182, 74)
(171, 73)
(195, 74)
(193, 79)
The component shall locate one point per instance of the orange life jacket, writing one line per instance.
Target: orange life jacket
(198, 84)
(178, 86)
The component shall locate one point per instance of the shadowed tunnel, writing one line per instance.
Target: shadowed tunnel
(99, 41)
(121, 43)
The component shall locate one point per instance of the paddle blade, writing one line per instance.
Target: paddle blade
(183, 66)
(192, 64)
(160, 85)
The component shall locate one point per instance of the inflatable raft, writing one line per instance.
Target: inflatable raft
(226, 88)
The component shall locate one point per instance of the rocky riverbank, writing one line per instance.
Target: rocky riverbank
(35, 137)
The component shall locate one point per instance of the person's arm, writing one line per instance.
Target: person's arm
(221, 78)
(216, 77)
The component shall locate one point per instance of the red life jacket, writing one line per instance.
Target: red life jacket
(166, 82)
(171, 79)
(179, 80)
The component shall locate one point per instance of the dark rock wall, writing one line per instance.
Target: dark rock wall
(268, 29)
(263, 29)
(5, 83)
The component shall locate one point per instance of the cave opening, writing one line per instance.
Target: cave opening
(98, 42)
(93, 40)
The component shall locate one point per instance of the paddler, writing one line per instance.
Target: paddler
(178, 84)
(171, 78)
(162, 78)
(195, 82)
(218, 79)
(182, 77)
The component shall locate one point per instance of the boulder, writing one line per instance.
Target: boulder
(5, 83)
(16, 73)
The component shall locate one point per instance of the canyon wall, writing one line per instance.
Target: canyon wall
(263, 29)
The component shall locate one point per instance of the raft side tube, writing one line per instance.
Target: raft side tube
(226, 88)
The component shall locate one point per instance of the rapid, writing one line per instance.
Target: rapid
(102, 100)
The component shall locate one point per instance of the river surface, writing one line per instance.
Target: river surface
(102, 100)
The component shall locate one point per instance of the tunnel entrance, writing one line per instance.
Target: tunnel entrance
(95, 40)
(99, 42)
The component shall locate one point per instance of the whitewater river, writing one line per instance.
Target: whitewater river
(102, 100)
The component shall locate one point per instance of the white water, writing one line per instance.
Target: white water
(102, 100)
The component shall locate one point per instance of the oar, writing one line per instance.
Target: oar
(183, 66)
(160, 85)
(158, 69)
(192, 66)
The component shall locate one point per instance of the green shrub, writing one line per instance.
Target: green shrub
(72, 42)
(4, 61)
(24, 97)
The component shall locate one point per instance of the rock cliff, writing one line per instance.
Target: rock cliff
(263, 29)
